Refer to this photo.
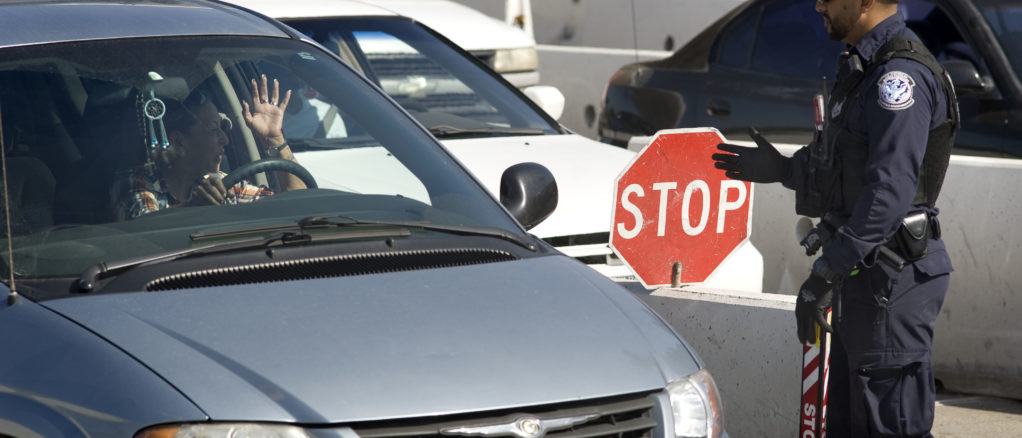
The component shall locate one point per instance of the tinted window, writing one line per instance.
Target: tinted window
(937, 31)
(736, 40)
(1006, 22)
(791, 40)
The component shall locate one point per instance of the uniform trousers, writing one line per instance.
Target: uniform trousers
(881, 378)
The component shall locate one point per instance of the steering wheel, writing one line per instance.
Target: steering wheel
(270, 164)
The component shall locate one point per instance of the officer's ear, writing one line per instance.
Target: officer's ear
(871, 4)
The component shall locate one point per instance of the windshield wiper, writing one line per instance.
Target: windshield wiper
(446, 131)
(341, 220)
(348, 221)
(88, 278)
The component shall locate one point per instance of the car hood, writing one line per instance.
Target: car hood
(584, 170)
(397, 345)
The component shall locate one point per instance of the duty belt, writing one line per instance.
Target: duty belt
(910, 240)
(907, 245)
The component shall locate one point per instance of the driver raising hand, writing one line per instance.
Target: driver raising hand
(187, 171)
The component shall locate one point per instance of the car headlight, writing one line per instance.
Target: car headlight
(511, 60)
(696, 406)
(223, 430)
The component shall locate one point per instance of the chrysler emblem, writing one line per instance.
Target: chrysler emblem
(522, 427)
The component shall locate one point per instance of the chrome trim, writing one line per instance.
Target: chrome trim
(522, 427)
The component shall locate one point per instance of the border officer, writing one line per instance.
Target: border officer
(872, 175)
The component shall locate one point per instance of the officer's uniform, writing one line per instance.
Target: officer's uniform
(878, 128)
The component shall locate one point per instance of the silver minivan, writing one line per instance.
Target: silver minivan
(172, 269)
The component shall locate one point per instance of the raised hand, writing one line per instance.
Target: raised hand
(265, 116)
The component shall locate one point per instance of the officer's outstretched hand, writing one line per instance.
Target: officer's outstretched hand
(811, 307)
(762, 164)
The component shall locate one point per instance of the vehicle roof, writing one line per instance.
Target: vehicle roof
(467, 27)
(25, 22)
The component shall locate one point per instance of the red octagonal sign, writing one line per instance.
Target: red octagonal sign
(672, 205)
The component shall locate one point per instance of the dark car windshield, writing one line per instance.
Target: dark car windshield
(1005, 19)
(441, 87)
(102, 141)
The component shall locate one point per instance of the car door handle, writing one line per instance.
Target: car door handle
(718, 107)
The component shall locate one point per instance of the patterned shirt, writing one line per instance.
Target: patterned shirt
(135, 194)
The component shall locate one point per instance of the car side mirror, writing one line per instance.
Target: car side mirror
(965, 77)
(547, 97)
(529, 192)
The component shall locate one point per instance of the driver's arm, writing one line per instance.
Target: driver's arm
(282, 150)
(265, 117)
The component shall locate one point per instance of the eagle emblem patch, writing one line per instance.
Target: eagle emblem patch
(896, 90)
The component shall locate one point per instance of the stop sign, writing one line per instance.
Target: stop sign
(672, 205)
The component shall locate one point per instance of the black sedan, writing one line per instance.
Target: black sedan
(761, 64)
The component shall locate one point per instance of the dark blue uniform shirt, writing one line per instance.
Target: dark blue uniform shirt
(898, 104)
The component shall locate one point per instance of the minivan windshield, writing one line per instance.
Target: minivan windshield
(113, 150)
(449, 93)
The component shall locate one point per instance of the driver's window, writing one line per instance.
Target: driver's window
(309, 114)
(333, 146)
(938, 32)
(791, 41)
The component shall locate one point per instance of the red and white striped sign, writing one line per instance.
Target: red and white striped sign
(815, 370)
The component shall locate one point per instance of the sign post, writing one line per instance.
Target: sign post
(672, 207)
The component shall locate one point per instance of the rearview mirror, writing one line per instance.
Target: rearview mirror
(547, 97)
(529, 192)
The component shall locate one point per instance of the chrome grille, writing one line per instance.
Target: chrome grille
(619, 417)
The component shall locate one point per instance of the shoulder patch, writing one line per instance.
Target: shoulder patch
(895, 89)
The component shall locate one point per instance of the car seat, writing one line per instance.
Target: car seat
(30, 188)
(110, 140)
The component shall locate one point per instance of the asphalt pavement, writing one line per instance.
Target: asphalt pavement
(969, 416)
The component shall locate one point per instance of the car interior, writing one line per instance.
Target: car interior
(69, 130)
(938, 32)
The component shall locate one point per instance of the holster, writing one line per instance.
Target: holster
(913, 234)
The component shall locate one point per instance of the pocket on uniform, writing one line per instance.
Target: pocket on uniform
(899, 399)
(935, 263)
(882, 281)
(863, 313)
